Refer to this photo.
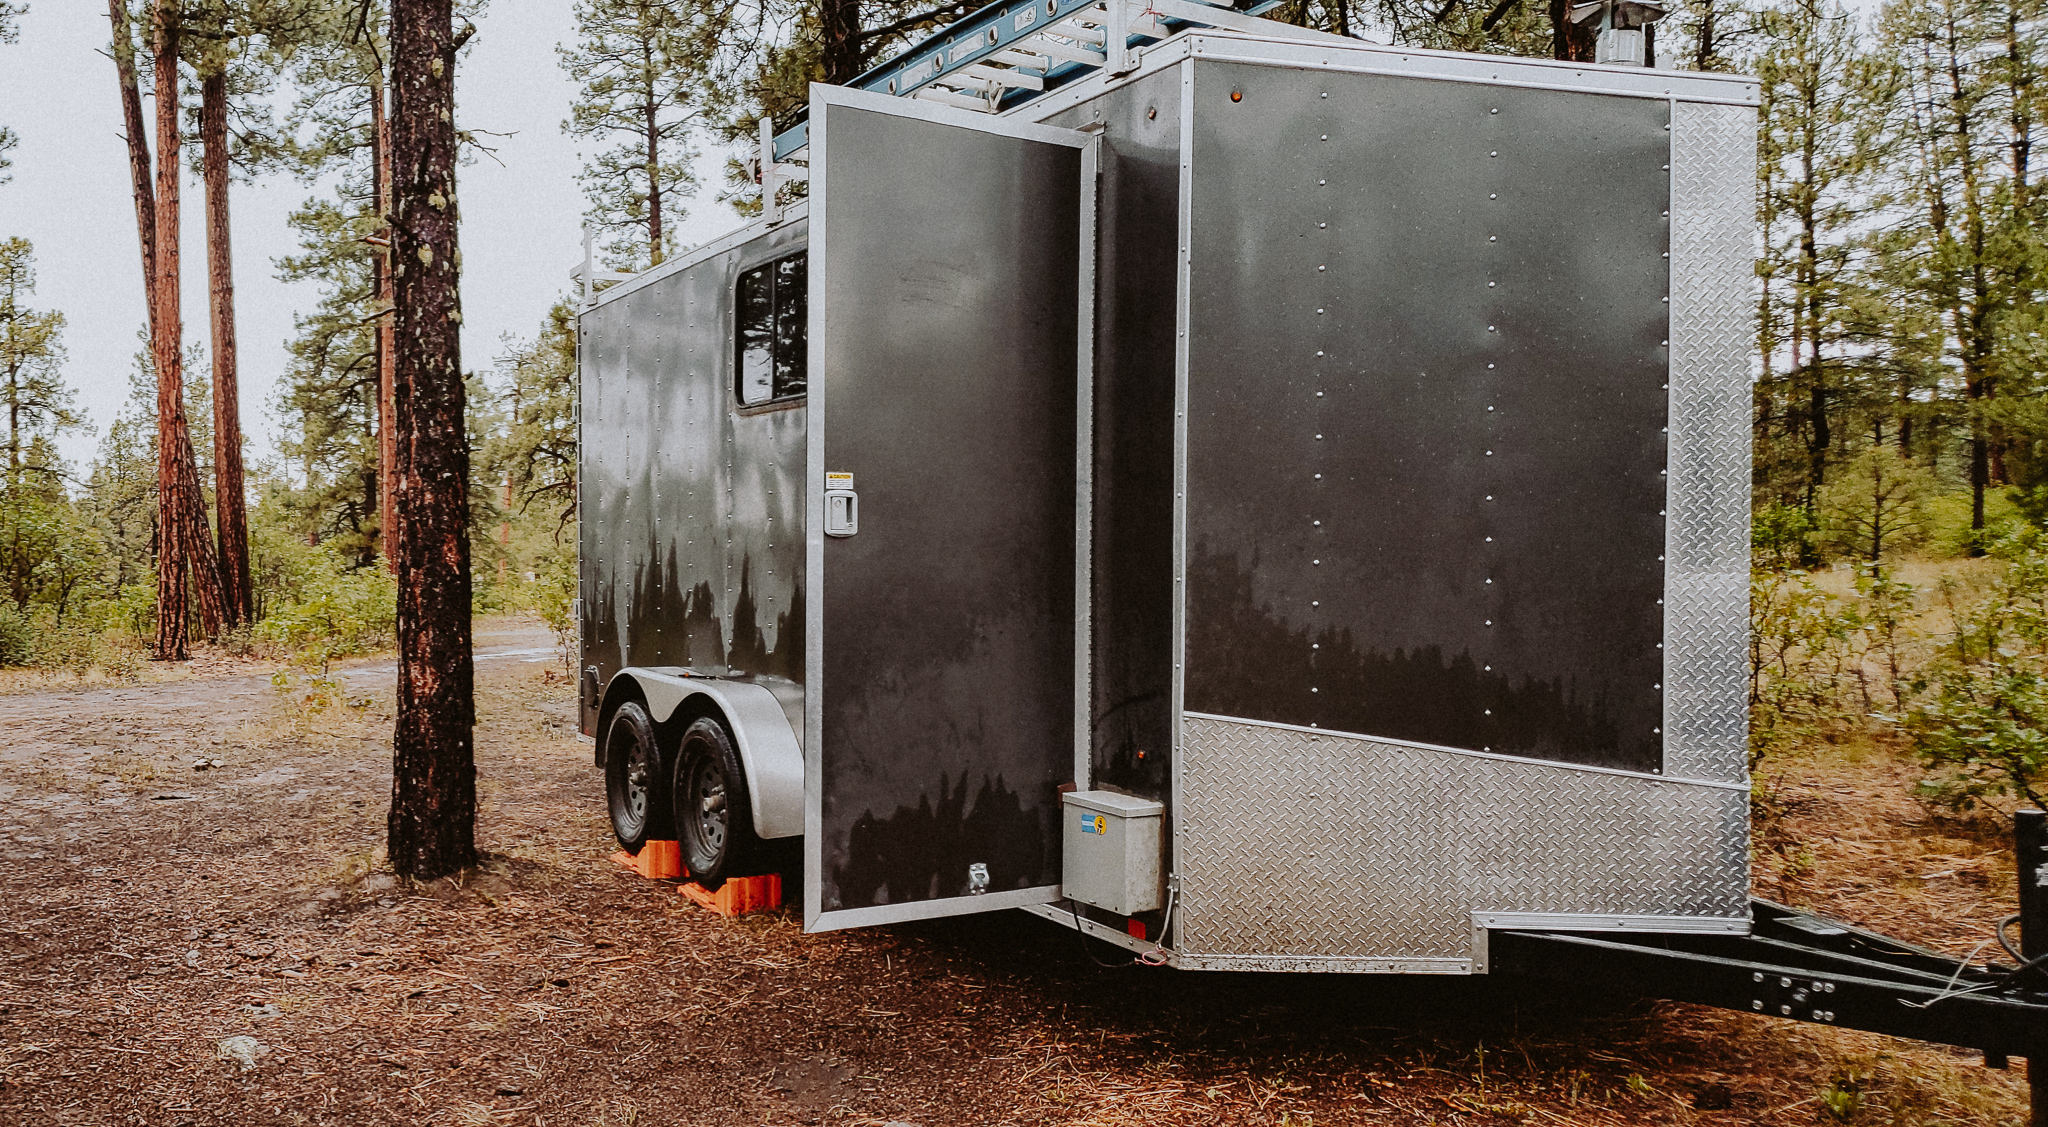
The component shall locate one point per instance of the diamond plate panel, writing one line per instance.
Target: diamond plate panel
(1713, 219)
(1299, 843)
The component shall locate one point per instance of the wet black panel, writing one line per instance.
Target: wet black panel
(1131, 618)
(1426, 412)
(764, 552)
(691, 507)
(944, 280)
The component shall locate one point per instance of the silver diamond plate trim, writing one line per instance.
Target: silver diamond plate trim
(1307, 844)
(1706, 608)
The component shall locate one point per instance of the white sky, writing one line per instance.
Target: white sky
(69, 195)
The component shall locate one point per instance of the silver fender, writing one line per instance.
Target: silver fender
(767, 745)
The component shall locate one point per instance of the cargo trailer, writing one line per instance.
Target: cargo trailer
(1263, 499)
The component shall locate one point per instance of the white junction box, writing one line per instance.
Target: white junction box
(1112, 851)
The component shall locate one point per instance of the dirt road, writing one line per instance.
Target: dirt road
(216, 945)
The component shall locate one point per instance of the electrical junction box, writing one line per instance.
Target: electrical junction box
(1112, 851)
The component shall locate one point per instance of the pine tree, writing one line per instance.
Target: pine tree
(1817, 142)
(42, 544)
(534, 450)
(1959, 257)
(431, 830)
(10, 32)
(638, 103)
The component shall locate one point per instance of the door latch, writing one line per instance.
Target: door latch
(842, 505)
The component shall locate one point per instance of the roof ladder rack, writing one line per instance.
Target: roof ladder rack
(1010, 52)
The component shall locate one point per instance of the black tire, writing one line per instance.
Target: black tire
(634, 779)
(714, 810)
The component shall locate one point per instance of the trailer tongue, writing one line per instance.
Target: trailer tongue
(1262, 499)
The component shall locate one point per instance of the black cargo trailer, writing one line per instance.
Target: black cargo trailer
(1263, 499)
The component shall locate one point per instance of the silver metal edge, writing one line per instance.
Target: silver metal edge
(930, 909)
(1084, 470)
(582, 476)
(1323, 964)
(731, 240)
(815, 917)
(1593, 921)
(1541, 74)
(1374, 58)
(1162, 55)
(814, 544)
(1576, 768)
(1483, 922)
(1090, 927)
(1669, 734)
(1711, 225)
(922, 110)
(1183, 292)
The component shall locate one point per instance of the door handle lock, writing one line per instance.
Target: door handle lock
(842, 512)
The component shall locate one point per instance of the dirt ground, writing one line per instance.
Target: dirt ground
(217, 945)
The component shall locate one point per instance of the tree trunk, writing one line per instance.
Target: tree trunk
(654, 181)
(138, 151)
(432, 825)
(230, 502)
(181, 512)
(387, 408)
(839, 20)
(1568, 41)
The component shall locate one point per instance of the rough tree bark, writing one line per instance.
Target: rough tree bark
(185, 567)
(432, 825)
(839, 20)
(651, 110)
(138, 151)
(238, 599)
(387, 408)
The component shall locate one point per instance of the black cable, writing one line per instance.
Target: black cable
(1075, 908)
(2006, 943)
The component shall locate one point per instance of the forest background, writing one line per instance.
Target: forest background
(1900, 591)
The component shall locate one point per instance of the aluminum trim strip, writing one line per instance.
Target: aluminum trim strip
(1574, 767)
(1459, 66)
(1581, 921)
(1084, 468)
(1183, 291)
(1706, 600)
(1002, 125)
(1298, 964)
(731, 240)
(931, 909)
(814, 561)
(1090, 928)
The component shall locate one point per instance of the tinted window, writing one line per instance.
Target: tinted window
(791, 325)
(771, 332)
(755, 303)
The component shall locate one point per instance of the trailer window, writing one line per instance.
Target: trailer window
(771, 332)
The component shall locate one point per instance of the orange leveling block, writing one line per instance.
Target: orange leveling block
(657, 860)
(739, 895)
(663, 860)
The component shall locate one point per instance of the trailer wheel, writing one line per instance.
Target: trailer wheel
(633, 777)
(714, 812)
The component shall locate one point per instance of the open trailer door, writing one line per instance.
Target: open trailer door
(949, 255)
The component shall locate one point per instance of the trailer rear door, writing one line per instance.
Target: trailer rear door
(948, 255)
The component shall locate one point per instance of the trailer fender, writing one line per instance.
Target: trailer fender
(767, 745)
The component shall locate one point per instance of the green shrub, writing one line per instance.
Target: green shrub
(324, 609)
(1983, 725)
(17, 637)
